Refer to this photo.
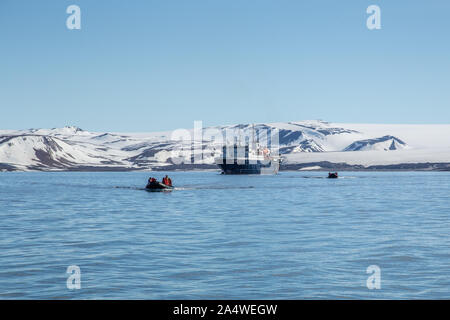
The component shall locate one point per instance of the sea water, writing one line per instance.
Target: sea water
(296, 235)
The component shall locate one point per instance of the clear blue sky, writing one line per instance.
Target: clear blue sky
(160, 65)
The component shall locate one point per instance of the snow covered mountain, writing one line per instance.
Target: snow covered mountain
(384, 143)
(305, 144)
(47, 152)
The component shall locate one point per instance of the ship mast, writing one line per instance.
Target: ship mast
(253, 136)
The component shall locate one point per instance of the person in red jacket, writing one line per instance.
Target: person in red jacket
(167, 181)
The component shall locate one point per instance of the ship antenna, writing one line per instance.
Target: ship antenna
(240, 137)
(253, 136)
(257, 139)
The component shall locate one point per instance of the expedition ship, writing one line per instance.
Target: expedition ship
(236, 159)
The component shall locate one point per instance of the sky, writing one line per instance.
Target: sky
(160, 65)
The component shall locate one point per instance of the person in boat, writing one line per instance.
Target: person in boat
(167, 181)
(151, 181)
(332, 175)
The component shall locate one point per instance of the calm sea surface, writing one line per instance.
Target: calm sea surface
(292, 236)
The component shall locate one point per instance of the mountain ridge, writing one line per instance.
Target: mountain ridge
(301, 144)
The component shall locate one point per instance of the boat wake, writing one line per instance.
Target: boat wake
(189, 188)
(316, 177)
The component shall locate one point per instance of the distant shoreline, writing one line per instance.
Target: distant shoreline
(324, 166)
